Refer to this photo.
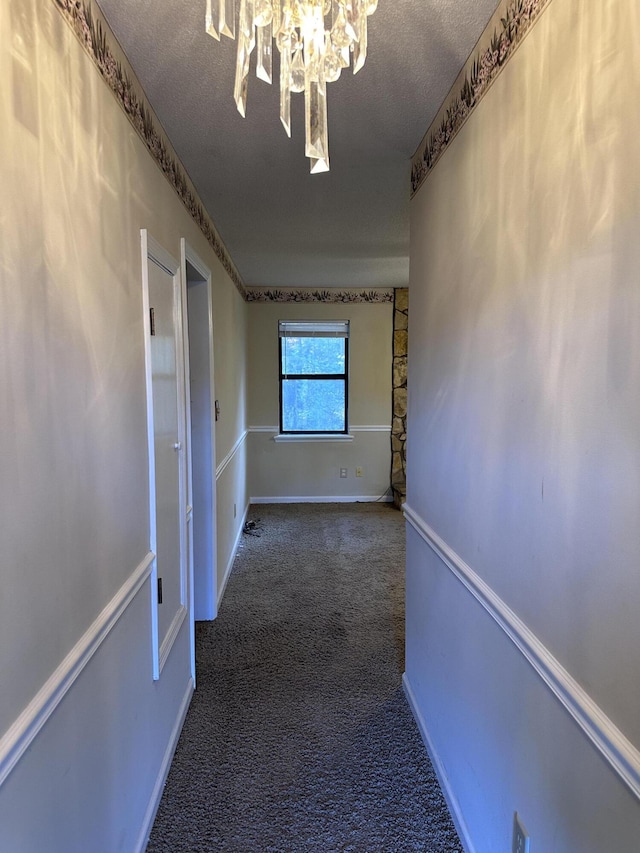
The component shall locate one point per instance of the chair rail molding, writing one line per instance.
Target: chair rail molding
(21, 734)
(614, 746)
(227, 459)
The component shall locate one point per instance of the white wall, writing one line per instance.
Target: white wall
(311, 469)
(77, 186)
(523, 458)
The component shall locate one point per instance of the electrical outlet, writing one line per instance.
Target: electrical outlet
(343, 473)
(234, 510)
(358, 471)
(520, 836)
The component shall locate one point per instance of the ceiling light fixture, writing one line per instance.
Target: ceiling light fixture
(316, 40)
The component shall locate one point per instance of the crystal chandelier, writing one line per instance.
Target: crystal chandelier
(316, 40)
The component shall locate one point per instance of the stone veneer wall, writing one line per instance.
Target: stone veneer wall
(399, 424)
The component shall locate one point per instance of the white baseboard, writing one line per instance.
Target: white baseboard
(327, 499)
(614, 746)
(452, 802)
(156, 794)
(232, 556)
(23, 731)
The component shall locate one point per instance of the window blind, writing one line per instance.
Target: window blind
(313, 329)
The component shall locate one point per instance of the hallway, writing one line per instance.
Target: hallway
(299, 737)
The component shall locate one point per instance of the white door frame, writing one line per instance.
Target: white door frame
(204, 609)
(153, 252)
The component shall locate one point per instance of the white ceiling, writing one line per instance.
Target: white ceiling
(282, 226)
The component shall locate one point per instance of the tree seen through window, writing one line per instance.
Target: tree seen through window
(313, 378)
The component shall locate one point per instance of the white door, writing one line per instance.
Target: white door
(167, 458)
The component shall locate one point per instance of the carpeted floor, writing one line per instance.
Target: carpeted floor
(299, 738)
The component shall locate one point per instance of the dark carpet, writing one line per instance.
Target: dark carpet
(299, 738)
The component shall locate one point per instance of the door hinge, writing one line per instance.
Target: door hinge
(152, 321)
(159, 590)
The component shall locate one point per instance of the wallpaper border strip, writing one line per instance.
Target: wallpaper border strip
(613, 745)
(374, 296)
(94, 34)
(502, 36)
(92, 30)
(514, 18)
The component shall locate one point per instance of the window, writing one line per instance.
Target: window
(314, 359)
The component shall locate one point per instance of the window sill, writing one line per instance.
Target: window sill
(313, 437)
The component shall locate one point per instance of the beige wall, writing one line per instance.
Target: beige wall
(77, 186)
(311, 469)
(524, 459)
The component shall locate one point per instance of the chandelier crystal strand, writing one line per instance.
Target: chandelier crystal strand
(360, 47)
(211, 21)
(227, 16)
(315, 91)
(315, 39)
(285, 84)
(264, 62)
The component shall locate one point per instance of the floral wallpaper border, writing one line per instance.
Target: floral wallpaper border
(332, 295)
(511, 22)
(94, 35)
(88, 24)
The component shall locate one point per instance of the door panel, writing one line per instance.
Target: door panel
(164, 381)
(171, 601)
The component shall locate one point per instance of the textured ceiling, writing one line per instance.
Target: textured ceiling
(282, 226)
